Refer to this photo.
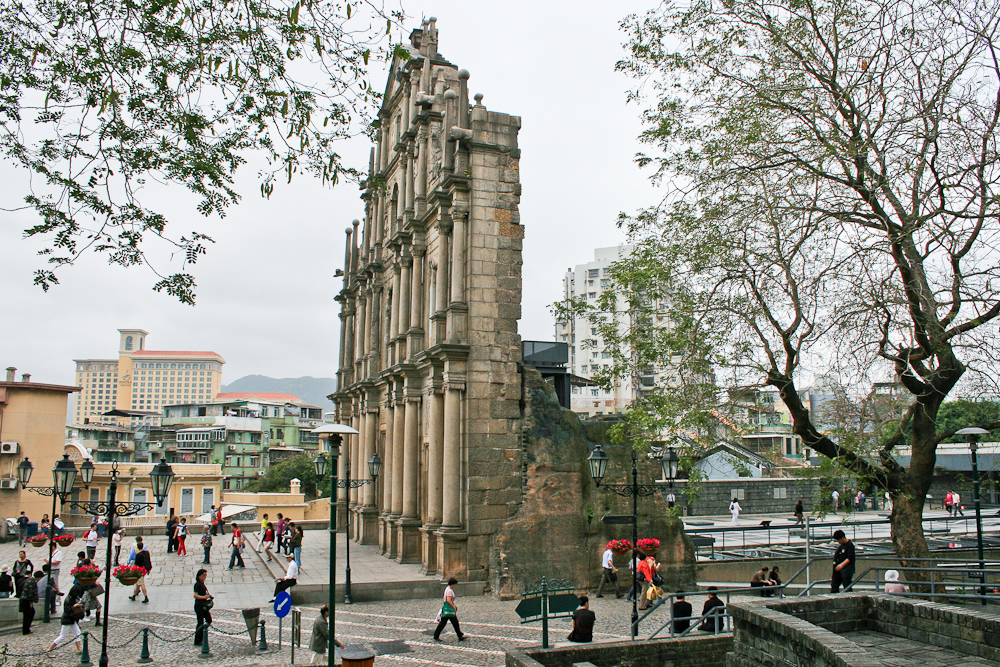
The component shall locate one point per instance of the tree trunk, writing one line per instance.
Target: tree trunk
(907, 531)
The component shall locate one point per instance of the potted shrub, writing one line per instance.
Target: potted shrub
(648, 545)
(619, 546)
(128, 575)
(87, 575)
(37, 540)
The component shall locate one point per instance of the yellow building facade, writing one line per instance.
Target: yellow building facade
(33, 425)
(143, 379)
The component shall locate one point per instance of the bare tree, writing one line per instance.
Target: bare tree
(832, 169)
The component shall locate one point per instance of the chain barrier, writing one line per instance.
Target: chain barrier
(185, 638)
(238, 633)
(5, 652)
(96, 640)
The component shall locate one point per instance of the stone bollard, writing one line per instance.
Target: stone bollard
(85, 654)
(144, 653)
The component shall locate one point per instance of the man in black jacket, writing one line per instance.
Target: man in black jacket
(844, 561)
(29, 596)
(714, 622)
(682, 611)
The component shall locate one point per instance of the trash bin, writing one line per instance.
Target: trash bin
(32, 529)
(9, 527)
(358, 656)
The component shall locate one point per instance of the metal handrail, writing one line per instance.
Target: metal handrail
(780, 590)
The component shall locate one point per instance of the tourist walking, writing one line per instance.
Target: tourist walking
(202, 604)
(956, 503)
(735, 509)
(29, 596)
(280, 534)
(290, 579)
(222, 522)
(22, 529)
(948, 502)
(206, 544)
(260, 536)
(267, 541)
(22, 571)
(90, 540)
(296, 543)
(237, 548)
(116, 542)
(180, 535)
(799, 513)
(214, 520)
(171, 534)
(609, 573)
(647, 568)
(843, 563)
(321, 635)
(583, 622)
(835, 500)
(139, 556)
(54, 561)
(72, 614)
(449, 612)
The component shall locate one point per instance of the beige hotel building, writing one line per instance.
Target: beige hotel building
(142, 379)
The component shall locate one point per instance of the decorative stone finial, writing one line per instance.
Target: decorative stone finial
(479, 99)
(349, 231)
(450, 94)
(463, 74)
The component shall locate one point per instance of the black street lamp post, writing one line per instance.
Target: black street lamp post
(161, 476)
(321, 465)
(598, 462)
(973, 434)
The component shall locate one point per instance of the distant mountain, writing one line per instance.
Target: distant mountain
(309, 389)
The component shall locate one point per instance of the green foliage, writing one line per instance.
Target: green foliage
(98, 98)
(278, 478)
(965, 413)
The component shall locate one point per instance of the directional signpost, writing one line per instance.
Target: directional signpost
(540, 604)
(282, 607)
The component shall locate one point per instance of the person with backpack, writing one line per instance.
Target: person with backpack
(237, 546)
(72, 614)
(139, 556)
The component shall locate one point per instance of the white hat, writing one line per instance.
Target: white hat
(3, 568)
(891, 575)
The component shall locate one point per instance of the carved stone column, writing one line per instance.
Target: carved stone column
(458, 309)
(384, 519)
(452, 537)
(409, 522)
(435, 457)
(398, 436)
(405, 275)
(391, 358)
(415, 339)
(368, 514)
(443, 286)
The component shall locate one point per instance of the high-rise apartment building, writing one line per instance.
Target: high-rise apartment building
(144, 380)
(587, 353)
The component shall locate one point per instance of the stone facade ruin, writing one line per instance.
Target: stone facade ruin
(484, 475)
(429, 346)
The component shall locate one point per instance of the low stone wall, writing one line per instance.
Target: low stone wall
(702, 651)
(796, 632)
(714, 496)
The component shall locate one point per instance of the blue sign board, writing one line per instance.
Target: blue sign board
(282, 604)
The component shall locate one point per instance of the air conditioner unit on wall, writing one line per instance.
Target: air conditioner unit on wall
(9, 448)
(232, 448)
(8, 483)
(260, 473)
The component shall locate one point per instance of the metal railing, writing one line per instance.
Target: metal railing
(944, 571)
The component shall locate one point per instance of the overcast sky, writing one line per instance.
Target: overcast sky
(266, 288)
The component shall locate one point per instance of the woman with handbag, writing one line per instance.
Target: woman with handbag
(449, 612)
(203, 603)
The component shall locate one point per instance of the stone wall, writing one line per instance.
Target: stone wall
(555, 527)
(714, 496)
(795, 632)
(701, 651)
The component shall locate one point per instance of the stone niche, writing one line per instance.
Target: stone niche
(556, 530)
